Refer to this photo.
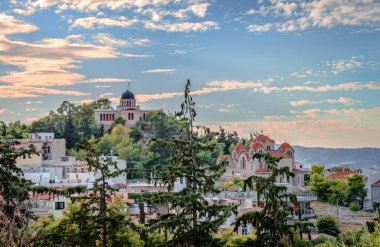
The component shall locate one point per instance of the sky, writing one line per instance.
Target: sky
(302, 71)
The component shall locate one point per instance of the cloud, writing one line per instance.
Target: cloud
(352, 64)
(108, 39)
(303, 74)
(11, 25)
(86, 101)
(292, 16)
(105, 95)
(182, 26)
(2, 110)
(97, 80)
(158, 71)
(263, 87)
(259, 28)
(349, 86)
(95, 22)
(311, 132)
(30, 120)
(178, 52)
(135, 55)
(33, 102)
(341, 100)
(12, 92)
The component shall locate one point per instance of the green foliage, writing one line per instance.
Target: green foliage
(306, 178)
(327, 224)
(269, 222)
(317, 169)
(354, 206)
(363, 238)
(228, 139)
(338, 191)
(356, 189)
(118, 121)
(321, 186)
(192, 157)
(14, 194)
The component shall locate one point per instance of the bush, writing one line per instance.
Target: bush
(328, 225)
(354, 206)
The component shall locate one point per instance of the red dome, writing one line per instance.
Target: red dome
(239, 147)
(262, 138)
(256, 146)
(284, 146)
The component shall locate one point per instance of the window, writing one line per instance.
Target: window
(130, 116)
(244, 230)
(48, 149)
(59, 205)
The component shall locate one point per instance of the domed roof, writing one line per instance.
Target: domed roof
(127, 95)
(284, 146)
(262, 138)
(255, 146)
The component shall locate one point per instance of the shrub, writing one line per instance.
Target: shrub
(328, 225)
(354, 206)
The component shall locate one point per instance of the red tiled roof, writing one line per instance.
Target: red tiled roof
(377, 183)
(45, 197)
(342, 174)
(285, 146)
(262, 138)
(278, 154)
(297, 170)
(239, 147)
(256, 146)
(263, 170)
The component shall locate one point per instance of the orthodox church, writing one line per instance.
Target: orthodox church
(241, 163)
(128, 109)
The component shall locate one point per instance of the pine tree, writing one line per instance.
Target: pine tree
(96, 201)
(278, 204)
(14, 194)
(191, 219)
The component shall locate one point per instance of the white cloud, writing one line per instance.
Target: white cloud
(95, 22)
(292, 16)
(33, 102)
(11, 25)
(352, 64)
(108, 39)
(341, 100)
(158, 71)
(105, 95)
(259, 28)
(178, 52)
(182, 26)
(97, 80)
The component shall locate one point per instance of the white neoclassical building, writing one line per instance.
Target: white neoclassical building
(240, 162)
(128, 109)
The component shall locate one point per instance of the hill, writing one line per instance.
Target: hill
(329, 157)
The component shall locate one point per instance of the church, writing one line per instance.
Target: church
(128, 109)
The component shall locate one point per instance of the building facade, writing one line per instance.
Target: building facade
(128, 109)
(242, 164)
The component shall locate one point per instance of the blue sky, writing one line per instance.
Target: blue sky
(302, 71)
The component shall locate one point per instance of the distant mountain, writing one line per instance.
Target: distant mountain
(329, 157)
